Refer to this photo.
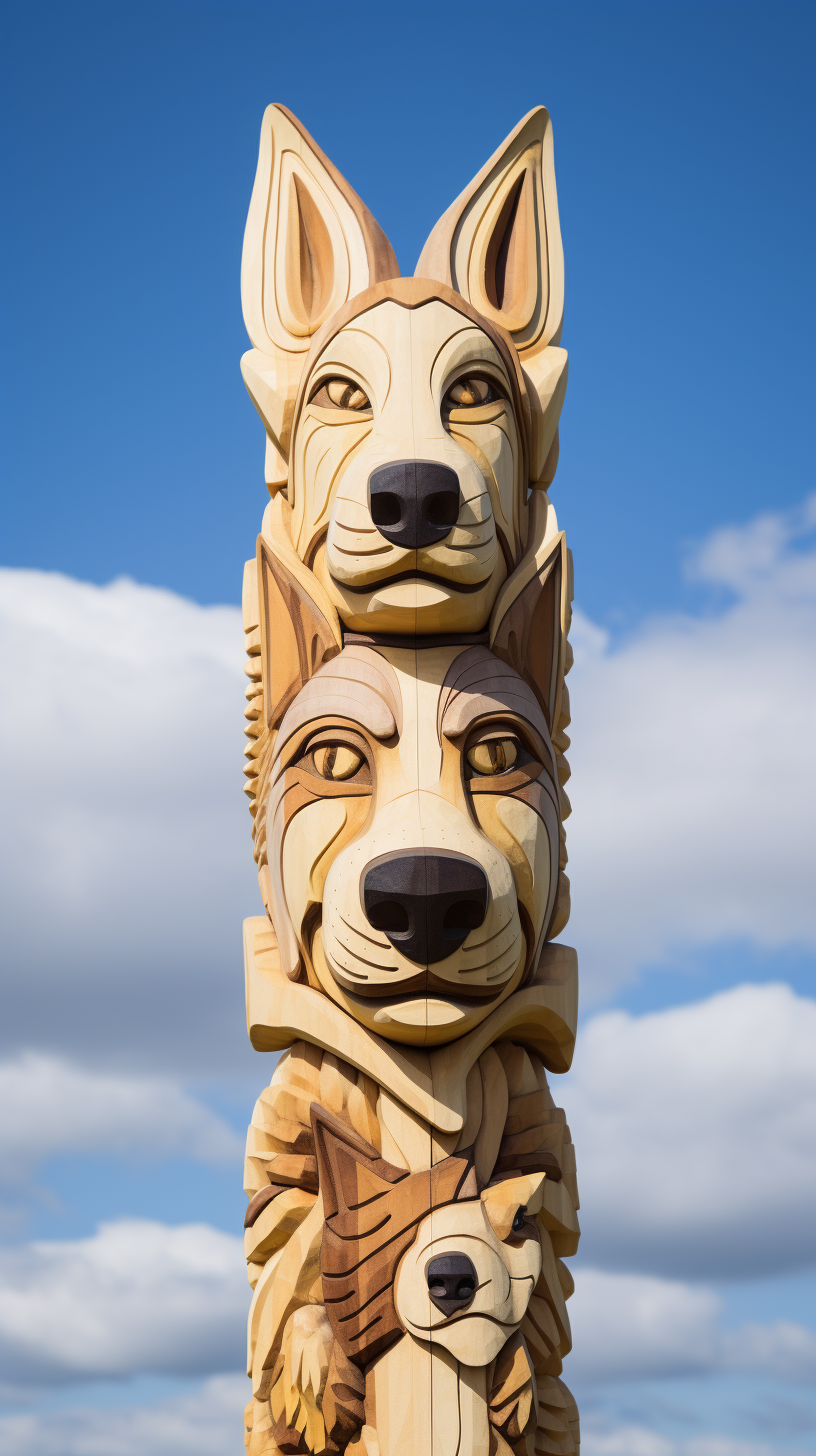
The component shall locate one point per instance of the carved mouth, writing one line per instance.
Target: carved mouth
(423, 983)
(460, 588)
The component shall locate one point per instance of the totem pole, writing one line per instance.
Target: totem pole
(411, 1181)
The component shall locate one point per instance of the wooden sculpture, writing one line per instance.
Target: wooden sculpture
(411, 1182)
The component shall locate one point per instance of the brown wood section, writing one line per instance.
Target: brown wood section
(372, 1210)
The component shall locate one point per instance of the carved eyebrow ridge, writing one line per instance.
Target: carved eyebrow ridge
(358, 685)
(478, 683)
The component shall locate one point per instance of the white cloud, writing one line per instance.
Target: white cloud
(48, 1106)
(635, 1440)
(636, 1327)
(208, 1421)
(696, 1135)
(693, 765)
(135, 1297)
(128, 864)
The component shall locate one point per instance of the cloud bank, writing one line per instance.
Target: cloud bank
(693, 768)
(50, 1107)
(136, 1297)
(696, 1135)
(127, 867)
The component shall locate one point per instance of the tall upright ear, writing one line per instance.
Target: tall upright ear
(530, 620)
(499, 244)
(350, 1171)
(296, 637)
(310, 245)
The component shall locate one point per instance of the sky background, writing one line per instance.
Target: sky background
(133, 490)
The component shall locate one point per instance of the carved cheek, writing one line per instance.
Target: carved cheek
(312, 842)
(522, 837)
(328, 455)
(494, 447)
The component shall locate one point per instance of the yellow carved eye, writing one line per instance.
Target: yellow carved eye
(341, 393)
(469, 392)
(494, 756)
(337, 761)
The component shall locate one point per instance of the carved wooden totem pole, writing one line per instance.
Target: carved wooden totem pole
(411, 1181)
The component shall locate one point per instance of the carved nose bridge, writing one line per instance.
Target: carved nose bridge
(414, 503)
(425, 902)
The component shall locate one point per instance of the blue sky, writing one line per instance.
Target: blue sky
(684, 157)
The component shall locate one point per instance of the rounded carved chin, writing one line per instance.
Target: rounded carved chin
(416, 1020)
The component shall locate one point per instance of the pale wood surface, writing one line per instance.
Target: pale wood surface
(411, 1183)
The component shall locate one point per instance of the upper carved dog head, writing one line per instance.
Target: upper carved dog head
(408, 799)
(405, 418)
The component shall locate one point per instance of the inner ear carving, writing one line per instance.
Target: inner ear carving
(309, 259)
(499, 244)
(510, 283)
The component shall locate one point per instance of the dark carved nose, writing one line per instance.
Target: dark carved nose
(425, 903)
(414, 503)
(451, 1282)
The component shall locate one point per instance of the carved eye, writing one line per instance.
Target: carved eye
(340, 393)
(337, 761)
(493, 756)
(519, 1220)
(467, 393)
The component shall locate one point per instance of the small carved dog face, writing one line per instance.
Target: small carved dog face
(412, 836)
(422, 1253)
(461, 1285)
(405, 418)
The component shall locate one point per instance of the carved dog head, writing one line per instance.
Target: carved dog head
(409, 802)
(405, 418)
(422, 1253)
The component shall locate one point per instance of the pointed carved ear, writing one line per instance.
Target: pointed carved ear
(350, 1170)
(296, 638)
(499, 245)
(530, 620)
(310, 245)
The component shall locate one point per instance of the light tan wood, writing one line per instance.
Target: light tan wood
(411, 1183)
(490, 243)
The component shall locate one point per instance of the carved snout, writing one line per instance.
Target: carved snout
(425, 903)
(414, 503)
(452, 1282)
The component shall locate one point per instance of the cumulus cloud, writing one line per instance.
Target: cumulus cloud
(136, 1297)
(696, 1135)
(634, 1440)
(48, 1106)
(637, 1327)
(127, 863)
(207, 1421)
(693, 766)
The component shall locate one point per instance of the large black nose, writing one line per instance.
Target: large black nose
(425, 903)
(451, 1282)
(414, 502)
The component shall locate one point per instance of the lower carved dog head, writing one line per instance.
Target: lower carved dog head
(422, 1253)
